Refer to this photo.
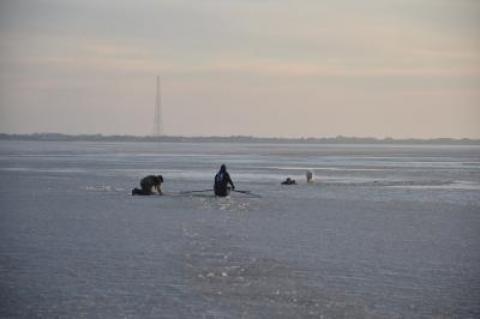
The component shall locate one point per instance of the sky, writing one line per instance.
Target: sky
(269, 68)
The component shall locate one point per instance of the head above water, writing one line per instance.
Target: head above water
(309, 176)
(223, 168)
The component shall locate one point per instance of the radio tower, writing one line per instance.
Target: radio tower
(158, 129)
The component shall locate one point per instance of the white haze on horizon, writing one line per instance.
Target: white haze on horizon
(400, 68)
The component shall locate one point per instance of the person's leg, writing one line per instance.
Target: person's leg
(137, 191)
(146, 190)
(222, 192)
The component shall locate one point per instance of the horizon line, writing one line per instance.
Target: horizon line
(233, 137)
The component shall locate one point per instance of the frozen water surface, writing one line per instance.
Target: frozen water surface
(384, 232)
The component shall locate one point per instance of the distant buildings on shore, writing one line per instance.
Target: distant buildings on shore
(233, 139)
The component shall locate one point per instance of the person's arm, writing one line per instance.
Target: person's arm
(229, 180)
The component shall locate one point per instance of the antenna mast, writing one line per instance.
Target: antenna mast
(158, 111)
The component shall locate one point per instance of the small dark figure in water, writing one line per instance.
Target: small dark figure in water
(149, 183)
(289, 181)
(309, 176)
(222, 179)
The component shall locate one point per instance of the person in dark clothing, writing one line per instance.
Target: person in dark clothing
(222, 179)
(149, 185)
(289, 181)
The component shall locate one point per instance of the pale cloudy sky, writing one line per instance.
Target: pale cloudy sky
(399, 68)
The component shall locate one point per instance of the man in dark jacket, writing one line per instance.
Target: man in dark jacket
(222, 179)
(149, 183)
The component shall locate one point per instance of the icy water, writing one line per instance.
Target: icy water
(383, 232)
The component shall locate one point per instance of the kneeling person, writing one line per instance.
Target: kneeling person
(149, 185)
(222, 179)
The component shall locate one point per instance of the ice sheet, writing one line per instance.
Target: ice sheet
(383, 232)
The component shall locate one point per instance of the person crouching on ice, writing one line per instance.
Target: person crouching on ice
(150, 185)
(222, 179)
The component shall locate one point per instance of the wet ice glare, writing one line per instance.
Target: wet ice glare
(382, 232)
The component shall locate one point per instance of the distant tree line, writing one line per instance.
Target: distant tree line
(232, 139)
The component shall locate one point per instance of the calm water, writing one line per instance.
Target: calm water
(383, 232)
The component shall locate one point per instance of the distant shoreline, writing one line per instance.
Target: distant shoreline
(234, 139)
